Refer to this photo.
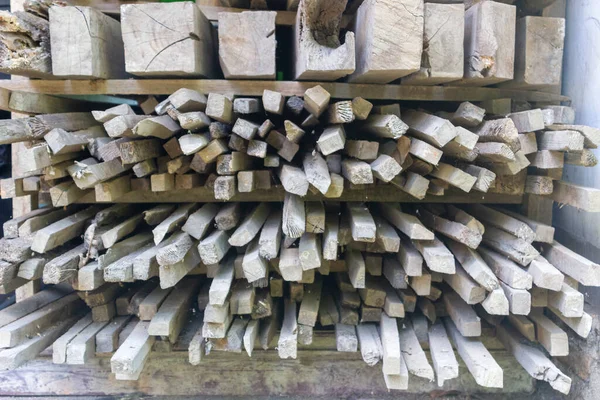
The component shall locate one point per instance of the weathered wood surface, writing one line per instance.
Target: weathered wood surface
(223, 374)
(286, 88)
(277, 193)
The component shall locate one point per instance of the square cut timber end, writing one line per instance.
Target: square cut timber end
(247, 44)
(168, 40)
(539, 53)
(443, 46)
(85, 44)
(375, 28)
(489, 44)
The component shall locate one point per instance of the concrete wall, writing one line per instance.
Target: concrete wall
(581, 82)
(579, 230)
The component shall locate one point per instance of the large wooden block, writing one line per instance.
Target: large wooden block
(85, 44)
(443, 45)
(385, 49)
(247, 44)
(32, 57)
(539, 52)
(319, 54)
(163, 40)
(489, 43)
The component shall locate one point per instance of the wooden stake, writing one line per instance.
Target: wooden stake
(479, 361)
(533, 360)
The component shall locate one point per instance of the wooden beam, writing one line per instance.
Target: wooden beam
(286, 88)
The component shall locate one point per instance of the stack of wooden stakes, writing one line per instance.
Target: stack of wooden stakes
(232, 276)
(311, 144)
(391, 279)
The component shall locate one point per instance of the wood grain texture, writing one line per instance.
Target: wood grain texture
(277, 194)
(286, 88)
(224, 375)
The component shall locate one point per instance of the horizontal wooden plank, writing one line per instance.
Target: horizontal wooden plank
(383, 193)
(38, 103)
(288, 88)
(228, 374)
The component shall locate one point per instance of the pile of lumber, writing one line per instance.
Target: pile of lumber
(466, 43)
(275, 250)
(314, 144)
(388, 278)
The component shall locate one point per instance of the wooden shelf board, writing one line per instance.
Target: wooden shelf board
(288, 88)
(277, 193)
(315, 374)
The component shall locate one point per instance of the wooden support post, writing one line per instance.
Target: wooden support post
(107, 340)
(437, 256)
(345, 338)
(62, 231)
(464, 317)
(390, 341)
(413, 354)
(83, 346)
(14, 357)
(474, 265)
(429, 128)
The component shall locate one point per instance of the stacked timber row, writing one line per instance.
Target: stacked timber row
(251, 148)
(388, 278)
(478, 43)
(271, 218)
